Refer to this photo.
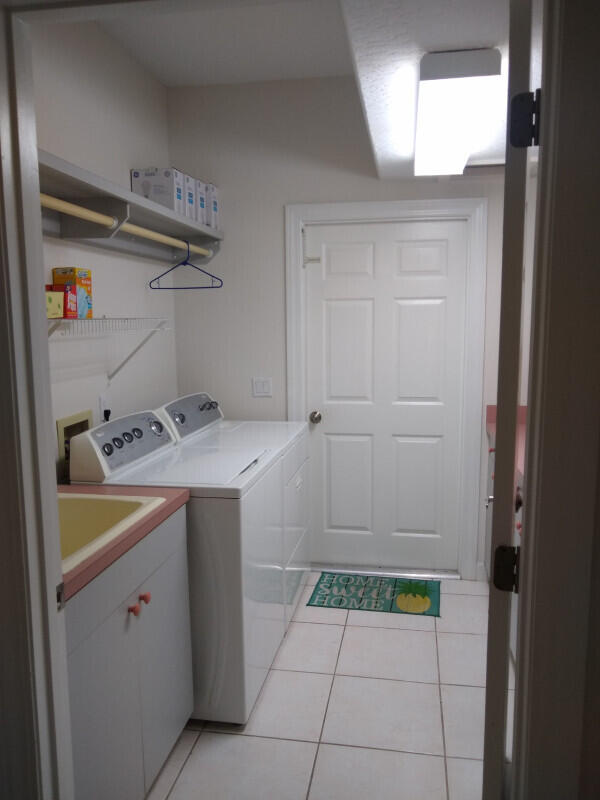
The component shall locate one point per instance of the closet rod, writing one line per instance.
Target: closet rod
(107, 221)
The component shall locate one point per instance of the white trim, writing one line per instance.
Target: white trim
(36, 703)
(474, 213)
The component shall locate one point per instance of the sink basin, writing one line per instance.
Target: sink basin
(88, 522)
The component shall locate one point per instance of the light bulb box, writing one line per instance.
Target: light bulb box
(189, 184)
(201, 202)
(163, 185)
(212, 206)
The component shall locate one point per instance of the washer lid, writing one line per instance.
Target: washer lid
(198, 466)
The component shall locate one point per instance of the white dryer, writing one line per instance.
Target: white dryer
(247, 530)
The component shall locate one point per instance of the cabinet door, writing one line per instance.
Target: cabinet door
(105, 711)
(165, 660)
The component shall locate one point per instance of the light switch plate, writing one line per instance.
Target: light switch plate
(262, 387)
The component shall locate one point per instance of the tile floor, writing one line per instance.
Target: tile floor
(357, 704)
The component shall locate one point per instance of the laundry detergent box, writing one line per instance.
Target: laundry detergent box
(201, 202)
(164, 185)
(212, 205)
(189, 184)
(81, 279)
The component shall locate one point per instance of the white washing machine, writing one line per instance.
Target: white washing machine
(247, 530)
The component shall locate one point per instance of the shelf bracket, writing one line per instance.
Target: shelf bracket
(54, 326)
(74, 228)
(135, 350)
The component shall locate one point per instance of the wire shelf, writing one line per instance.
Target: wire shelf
(104, 326)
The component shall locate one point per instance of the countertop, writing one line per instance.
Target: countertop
(83, 573)
(490, 425)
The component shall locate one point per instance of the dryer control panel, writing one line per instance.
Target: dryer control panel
(97, 453)
(190, 414)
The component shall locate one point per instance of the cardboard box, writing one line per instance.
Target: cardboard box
(201, 202)
(54, 304)
(69, 295)
(81, 279)
(212, 205)
(163, 185)
(189, 184)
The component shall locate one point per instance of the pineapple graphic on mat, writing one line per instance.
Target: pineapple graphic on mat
(412, 597)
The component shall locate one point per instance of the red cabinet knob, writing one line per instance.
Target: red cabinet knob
(146, 597)
(492, 450)
(135, 610)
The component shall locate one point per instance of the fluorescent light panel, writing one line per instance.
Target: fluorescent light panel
(460, 102)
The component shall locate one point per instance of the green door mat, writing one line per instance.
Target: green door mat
(376, 593)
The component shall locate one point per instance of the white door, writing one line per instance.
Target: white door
(519, 242)
(385, 356)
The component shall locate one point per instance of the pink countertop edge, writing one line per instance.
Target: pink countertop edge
(490, 426)
(83, 573)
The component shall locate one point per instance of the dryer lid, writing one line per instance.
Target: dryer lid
(200, 466)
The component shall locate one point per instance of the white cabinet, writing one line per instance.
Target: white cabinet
(105, 711)
(130, 677)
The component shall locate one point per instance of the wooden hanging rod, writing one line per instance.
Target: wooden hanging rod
(73, 210)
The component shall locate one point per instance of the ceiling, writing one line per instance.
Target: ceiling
(381, 42)
(239, 43)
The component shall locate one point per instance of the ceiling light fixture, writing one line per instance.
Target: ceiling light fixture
(459, 108)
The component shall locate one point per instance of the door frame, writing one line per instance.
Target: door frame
(473, 211)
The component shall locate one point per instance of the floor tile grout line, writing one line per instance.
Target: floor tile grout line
(168, 794)
(340, 744)
(390, 628)
(380, 678)
(437, 654)
(332, 744)
(312, 772)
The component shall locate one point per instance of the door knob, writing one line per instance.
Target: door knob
(489, 499)
(315, 417)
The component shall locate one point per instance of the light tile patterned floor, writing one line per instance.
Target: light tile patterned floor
(356, 705)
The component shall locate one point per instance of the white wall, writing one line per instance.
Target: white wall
(266, 145)
(99, 109)
(95, 105)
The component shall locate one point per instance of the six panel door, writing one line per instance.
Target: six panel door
(385, 366)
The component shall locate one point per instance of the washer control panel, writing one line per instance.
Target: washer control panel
(116, 444)
(189, 414)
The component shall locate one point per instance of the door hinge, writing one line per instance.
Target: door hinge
(506, 568)
(525, 119)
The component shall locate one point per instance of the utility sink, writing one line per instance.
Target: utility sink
(88, 522)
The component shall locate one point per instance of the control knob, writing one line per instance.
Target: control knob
(156, 427)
